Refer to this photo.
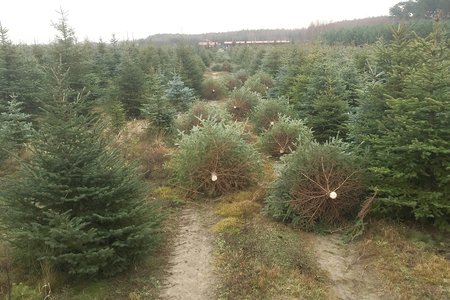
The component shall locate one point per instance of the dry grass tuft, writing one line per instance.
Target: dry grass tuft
(406, 266)
(166, 193)
(8, 166)
(227, 225)
(241, 209)
(5, 272)
(154, 158)
(152, 152)
(257, 258)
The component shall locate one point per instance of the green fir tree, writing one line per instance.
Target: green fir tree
(77, 205)
(412, 152)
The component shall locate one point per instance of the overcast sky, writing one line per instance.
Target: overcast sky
(29, 21)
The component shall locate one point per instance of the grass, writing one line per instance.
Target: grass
(257, 258)
(410, 262)
(267, 261)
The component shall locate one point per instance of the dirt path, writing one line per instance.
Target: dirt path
(191, 273)
(349, 274)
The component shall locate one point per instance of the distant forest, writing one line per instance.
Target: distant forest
(293, 35)
(348, 32)
(418, 14)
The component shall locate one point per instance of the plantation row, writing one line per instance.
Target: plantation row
(348, 123)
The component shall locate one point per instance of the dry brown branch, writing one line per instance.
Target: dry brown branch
(366, 206)
(326, 193)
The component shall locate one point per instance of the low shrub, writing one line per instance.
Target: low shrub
(284, 136)
(319, 184)
(150, 151)
(214, 160)
(241, 103)
(198, 112)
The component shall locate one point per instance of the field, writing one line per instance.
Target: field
(297, 171)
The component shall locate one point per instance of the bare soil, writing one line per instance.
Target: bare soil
(191, 274)
(351, 276)
(191, 270)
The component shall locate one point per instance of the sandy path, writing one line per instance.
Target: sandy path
(191, 273)
(350, 277)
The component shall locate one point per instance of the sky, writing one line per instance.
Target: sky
(30, 21)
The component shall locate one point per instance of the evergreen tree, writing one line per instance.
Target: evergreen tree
(15, 128)
(393, 62)
(328, 118)
(396, 60)
(118, 116)
(411, 153)
(66, 54)
(242, 56)
(271, 62)
(9, 56)
(131, 87)
(190, 67)
(180, 95)
(77, 205)
(291, 67)
(157, 107)
(324, 104)
(20, 74)
(257, 60)
(365, 123)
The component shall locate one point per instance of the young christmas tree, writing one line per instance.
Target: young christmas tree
(157, 107)
(15, 128)
(77, 205)
(180, 95)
